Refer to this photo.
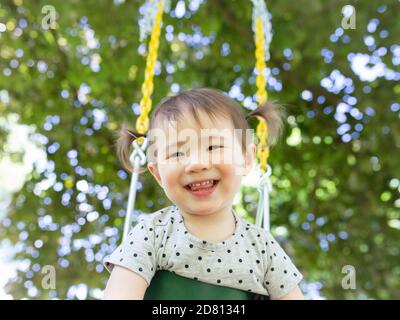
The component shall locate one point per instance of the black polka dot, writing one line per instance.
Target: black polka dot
(159, 220)
(120, 250)
(161, 245)
(295, 274)
(186, 232)
(272, 242)
(219, 260)
(282, 286)
(284, 257)
(251, 270)
(121, 259)
(267, 283)
(145, 239)
(229, 251)
(149, 253)
(236, 242)
(285, 271)
(240, 281)
(163, 255)
(140, 269)
(247, 229)
(262, 251)
(190, 246)
(131, 242)
(199, 258)
(204, 242)
(253, 244)
(272, 269)
(274, 254)
(266, 243)
(186, 266)
(247, 251)
(257, 261)
(240, 260)
(195, 278)
(258, 235)
(230, 270)
(208, 270)
(151, 229)
(218, 281)
(142, 227)
(135, 254)
(178, 254)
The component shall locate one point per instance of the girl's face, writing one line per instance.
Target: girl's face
(188, 153)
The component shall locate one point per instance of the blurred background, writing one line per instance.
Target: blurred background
(66, 90)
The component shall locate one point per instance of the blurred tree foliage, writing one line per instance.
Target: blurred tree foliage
(336, 171)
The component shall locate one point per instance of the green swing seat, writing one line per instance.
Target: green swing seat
(166, 285)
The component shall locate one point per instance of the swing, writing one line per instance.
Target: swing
(167, 285)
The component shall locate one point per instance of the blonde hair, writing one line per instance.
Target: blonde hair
(215, 104)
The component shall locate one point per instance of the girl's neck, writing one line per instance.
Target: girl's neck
(214, 228)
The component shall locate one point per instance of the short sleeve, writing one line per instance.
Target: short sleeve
(281, 275)
(136, 252)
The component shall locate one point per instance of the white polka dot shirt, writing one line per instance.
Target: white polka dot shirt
(250, 259)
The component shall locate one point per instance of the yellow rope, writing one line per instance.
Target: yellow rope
(261, 82)
(142, 122)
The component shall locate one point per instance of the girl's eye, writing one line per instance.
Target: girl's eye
(176, 154)
(210, 147)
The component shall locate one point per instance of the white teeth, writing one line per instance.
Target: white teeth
(201, 183)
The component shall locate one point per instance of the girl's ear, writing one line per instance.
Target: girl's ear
(249, 158)
(154, 172)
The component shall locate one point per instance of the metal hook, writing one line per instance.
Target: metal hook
(264, 187)
(264, 179)
(138, 152)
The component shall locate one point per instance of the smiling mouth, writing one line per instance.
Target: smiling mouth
(205, 185)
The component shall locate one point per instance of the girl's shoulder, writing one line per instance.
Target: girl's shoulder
(255, 232)
(160, 217)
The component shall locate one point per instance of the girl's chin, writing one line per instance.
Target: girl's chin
(199, 210)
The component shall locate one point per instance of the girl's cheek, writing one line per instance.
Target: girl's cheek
(228, 174)
(171, 176)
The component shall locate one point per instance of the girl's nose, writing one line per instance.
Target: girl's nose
(197, 163)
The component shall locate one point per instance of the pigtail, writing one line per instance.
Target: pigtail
(274, 114)
(124, 147)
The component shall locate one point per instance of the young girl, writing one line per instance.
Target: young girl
(201, 237)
